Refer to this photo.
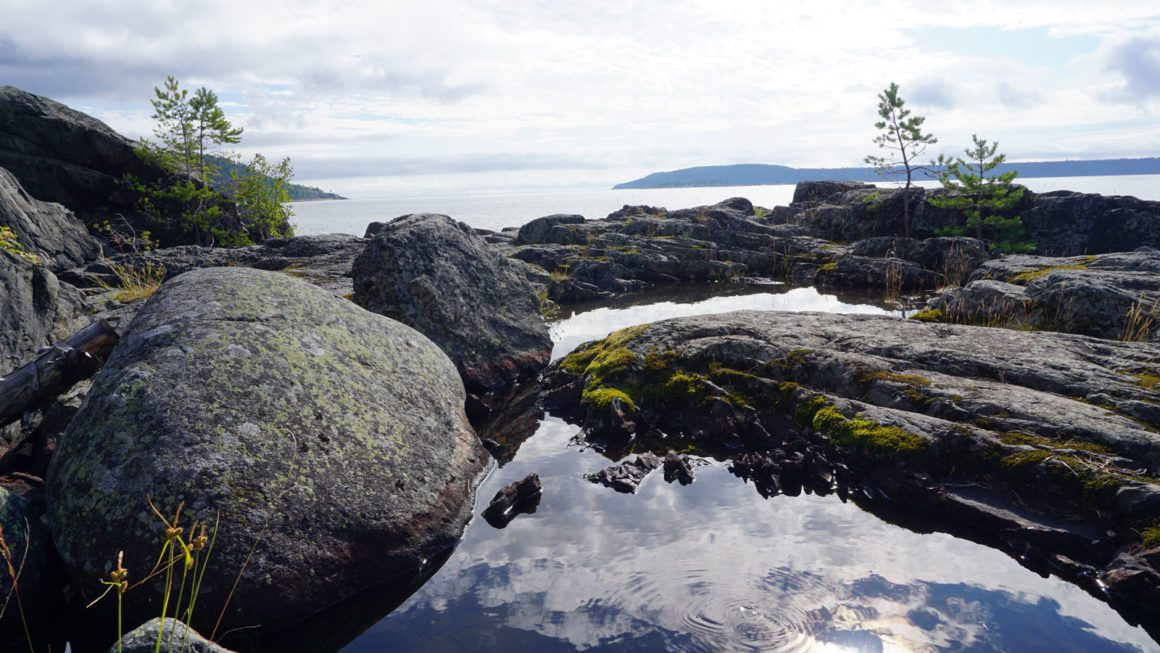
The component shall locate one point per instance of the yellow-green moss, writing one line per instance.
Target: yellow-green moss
(1150, 534)
(602, 397)
(1031, 275)
(828, 267)
(1147, 381)
(686, 387)
(866, 434)
(886, 375)
(929, 315)
(578, 361)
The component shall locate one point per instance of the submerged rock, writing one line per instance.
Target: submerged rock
(515, 498)
(438, 276)
(330, 442)
(628, 475)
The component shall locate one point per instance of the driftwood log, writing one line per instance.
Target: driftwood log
(57, 368)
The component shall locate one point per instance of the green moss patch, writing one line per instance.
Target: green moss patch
(867, 435)
(929, 315)
(1031, 275)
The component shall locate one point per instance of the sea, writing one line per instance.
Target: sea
(496, 211)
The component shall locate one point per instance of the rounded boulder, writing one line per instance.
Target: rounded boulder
(327, 443)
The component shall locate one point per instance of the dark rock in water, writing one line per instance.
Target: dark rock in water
(820, 191)
(516, 498)
(678, 468)
(330, 439)
(438, 276)
(627, 476)
(898, 413)
(1107, 296)
(50, 231)
(175, 636)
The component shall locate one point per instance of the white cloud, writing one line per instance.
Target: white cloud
(628, 87)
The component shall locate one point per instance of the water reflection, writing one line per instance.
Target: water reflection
(713, 566)
(661, 304)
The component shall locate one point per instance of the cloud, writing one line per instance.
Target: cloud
(463, 84)
(933, 94)
(1138, 61)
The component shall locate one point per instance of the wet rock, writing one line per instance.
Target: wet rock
(175, 636)
(331, 442)
(50, 231)
(627, 476)
(438, 276)
(678, 468)
(516, 498)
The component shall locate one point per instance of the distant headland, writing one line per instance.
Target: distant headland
(757, 174)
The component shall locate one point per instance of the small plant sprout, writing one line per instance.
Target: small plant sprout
(119, 581)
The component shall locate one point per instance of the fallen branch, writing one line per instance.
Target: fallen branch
(57, 368)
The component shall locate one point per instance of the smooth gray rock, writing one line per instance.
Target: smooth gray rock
(175, 636)
(37, 310)
(820, 191)
(47, 230)
(1066, 223)
(333, 438)
(438, 276)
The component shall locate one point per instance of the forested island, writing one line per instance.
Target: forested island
(758, 174)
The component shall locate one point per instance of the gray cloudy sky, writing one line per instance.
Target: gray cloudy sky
(403, 98)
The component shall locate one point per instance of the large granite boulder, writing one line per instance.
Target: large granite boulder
(65, 156)
(438, 276)
(330, 442)
(50, 231)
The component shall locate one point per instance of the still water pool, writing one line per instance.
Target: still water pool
(713, 566)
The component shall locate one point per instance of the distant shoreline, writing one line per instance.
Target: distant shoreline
(755, 174)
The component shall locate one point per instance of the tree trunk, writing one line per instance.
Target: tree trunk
(56, 370)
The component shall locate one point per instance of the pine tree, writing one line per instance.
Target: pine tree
(901, 134)
(984, 199)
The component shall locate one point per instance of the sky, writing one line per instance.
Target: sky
(401, 98)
